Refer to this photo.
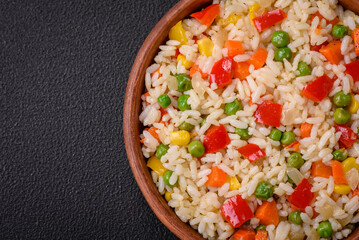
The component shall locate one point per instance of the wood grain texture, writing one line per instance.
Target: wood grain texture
(132, 125)
(351, 4)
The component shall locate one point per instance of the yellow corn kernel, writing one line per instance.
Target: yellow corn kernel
(205, 46)
(233, 183)
(185, 63)
(354, 105)
(232, 18)
(168, 196)
(156, 165)
(180, 138)
(178, 33)
(349, 163)
(254, 8)
(342, 189)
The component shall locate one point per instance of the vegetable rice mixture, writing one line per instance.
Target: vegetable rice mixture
(251, 120)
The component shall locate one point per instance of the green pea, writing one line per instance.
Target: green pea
(325, 229)
(295, 218)
(262, 227)
(283, 53)
(204, 120)
(186, 126)
(196, 148)
(295, 160)
(340, 155)
(341, 99)
(182, 103)
(280, 39)
(161, 150)
(339, 31)
(287, 138)
(166, 178)
(275, 134)
(233, 107)
(183, 82)
(264, 190)
(304, 69)
(243, 133)
(164, 100)
(342, 116)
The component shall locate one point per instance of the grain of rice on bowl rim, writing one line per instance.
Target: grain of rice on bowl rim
(251, 120)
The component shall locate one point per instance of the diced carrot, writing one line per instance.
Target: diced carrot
(305, 129)
(195, 68)
(295, 145)
(261, 235)
(142, 140)
(338, 173)
(216, 178)
(355, 192)
(157, 71)
(250, 101)
(267, 213)
(317, 14)
(355, 36)
(147, 94)
(244, 234)
(332, 52)
(318, 31)
(234, 48)
(319, 169)
(259, 58)
(241, 70)
(152, 131)
(163, 112)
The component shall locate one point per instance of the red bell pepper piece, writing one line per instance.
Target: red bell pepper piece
(318, 89)
(353, 70)
(269, 19)
(348, 136)
(215, 139)
(236, 211)
(269, 113)
(317, 14)
(207, 15)
(318, 47)
(302, 195)
(251, 151)
(222, 72)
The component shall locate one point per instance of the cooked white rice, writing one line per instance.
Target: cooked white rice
(200, 205)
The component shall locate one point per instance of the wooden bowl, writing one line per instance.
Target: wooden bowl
(132, 125)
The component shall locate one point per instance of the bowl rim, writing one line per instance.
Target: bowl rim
(132, 125)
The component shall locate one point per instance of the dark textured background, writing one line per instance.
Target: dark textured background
(63, 168)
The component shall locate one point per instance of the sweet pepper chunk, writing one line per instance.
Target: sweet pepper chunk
(216, 139)
(222, 72)
(318, 89)
(251, 151)
(207, 15)
(269, 113)
(348, 136)
(302, 195)
(353, 70)
(269, 19)
(236, 211)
